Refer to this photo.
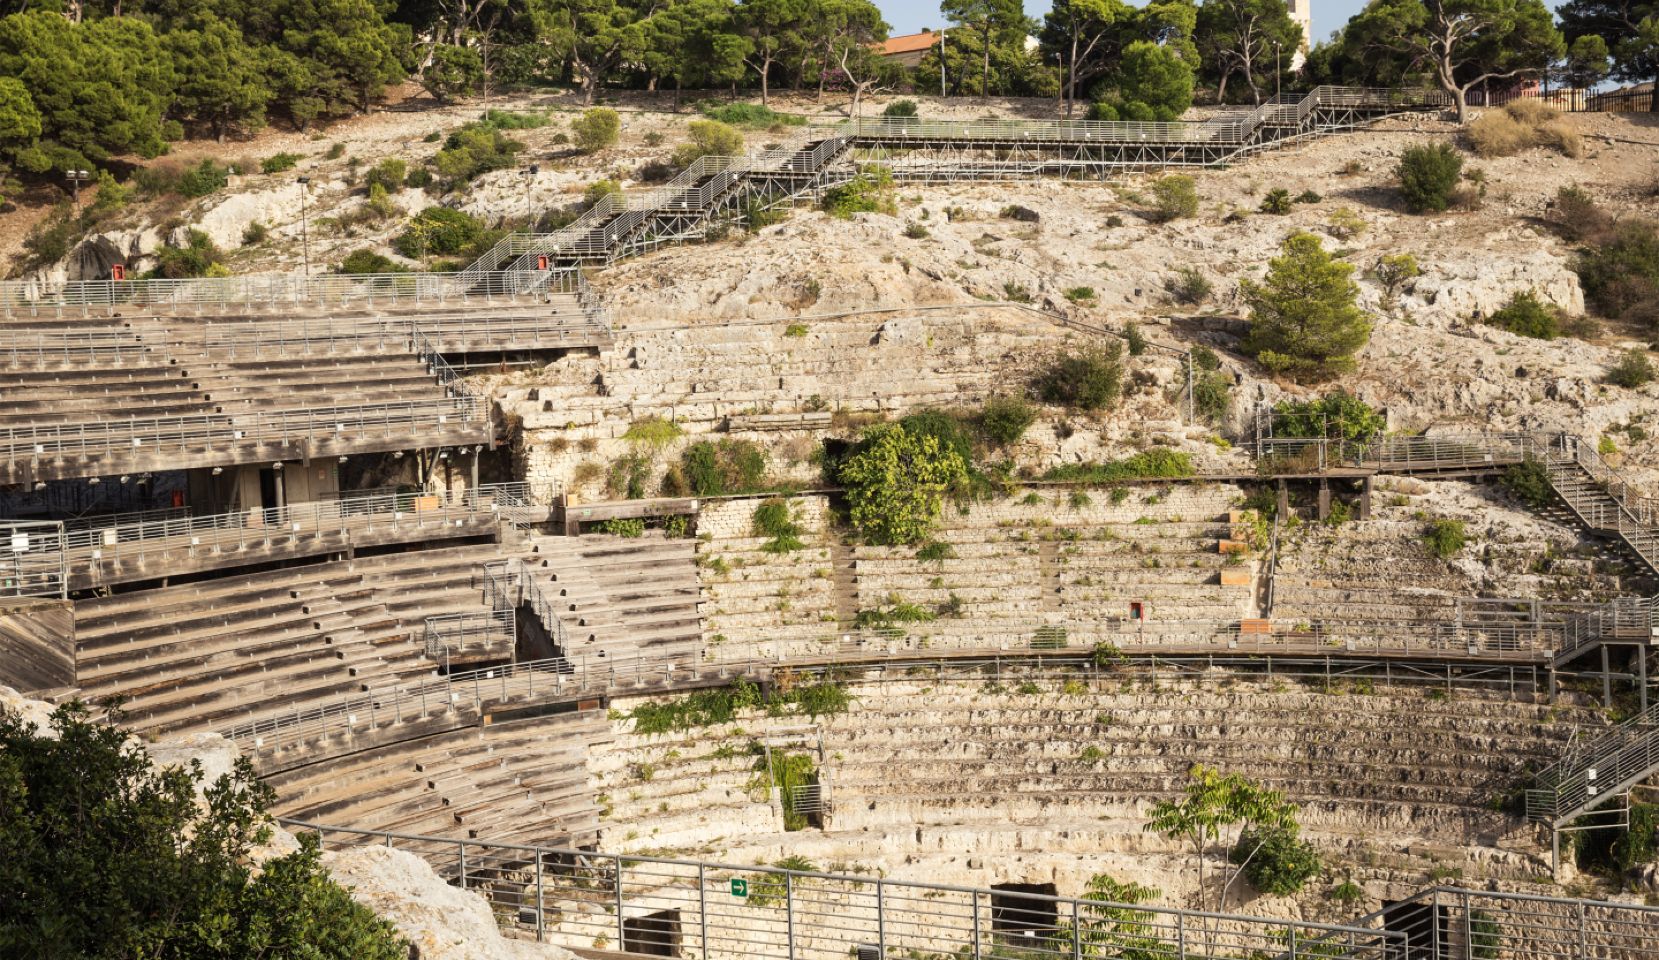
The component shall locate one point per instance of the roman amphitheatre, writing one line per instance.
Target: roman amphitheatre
(865, 543)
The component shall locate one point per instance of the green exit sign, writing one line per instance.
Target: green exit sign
(740, 888)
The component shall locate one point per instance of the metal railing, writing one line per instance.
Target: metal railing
(596, 232)
(43, 348)
(31, 563)
(161, 435)
(1626, 619)
(452, 634)
(1597, 771)
(644, 904)
(1499, 652)
(283, 288)
(1451, 923)
(89, 546)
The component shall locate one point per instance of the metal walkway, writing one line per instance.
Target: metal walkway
(936, 151)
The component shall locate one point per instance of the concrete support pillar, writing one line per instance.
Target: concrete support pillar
(1284, 499)
(1324, 499)
(1365, 499)
(1606, 678)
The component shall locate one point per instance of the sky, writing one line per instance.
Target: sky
(910, 16)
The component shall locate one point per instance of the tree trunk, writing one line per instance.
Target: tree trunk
(1221, 88)
(985, 79)
(765, 91)
(1071, 77)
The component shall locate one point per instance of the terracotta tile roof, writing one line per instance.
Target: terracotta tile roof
(909, 43)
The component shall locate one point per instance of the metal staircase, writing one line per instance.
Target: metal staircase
(1592, 774)
(1602, 500)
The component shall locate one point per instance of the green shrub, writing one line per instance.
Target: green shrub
(900, 108)
(752, 115)
(896, 481)
(335, 151)
(1344, 224)
(1444, 538)
(197, 258)
(1135, 339)
(627, 528)
(1621, 274)
(255, 233)
(774, 520)
(709, 138)
(705, 708)
(1155, 464)
(204, 178)
(514, 120)
(1338, 415)
(1393, 270)
(653, 432)
(717, 468)
(626, 477)
(1090, 379)
(915, 231)
(1529, 482)
(440, 231)
(1212, 395)
(1174, 197)
(1188, 286)
(473, 150)
(278, 162)
(1080, 294)
(1276, 201)
(1633, 370)
(388, 174)
(1576, 216)
(1003, 420)
(1275, 861)
(419, 178)
(107, 856)
(896, 611)
(1429, 175)
(867, 192)
(367, 261)
(935, 550)
(1527, 316)
(596, 129)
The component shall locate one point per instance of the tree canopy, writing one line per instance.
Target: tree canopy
(103, 856)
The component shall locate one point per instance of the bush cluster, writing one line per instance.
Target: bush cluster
(596, 129)
(438, 230)
(1090, 379)
(1525, 315)
(473, 150)
(716, 468)
(1429, 175)
(1522, 125)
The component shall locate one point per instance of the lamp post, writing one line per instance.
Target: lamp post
(78, 177)
(305, 230)
(1277, 73)
(529, 181)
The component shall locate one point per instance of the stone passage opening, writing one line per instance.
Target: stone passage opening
(1019, 914)
(1425, 924)
(652, 935)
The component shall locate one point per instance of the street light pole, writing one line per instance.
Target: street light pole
(76, 177)
(1277, 72)
(529, 182)
(305, 230)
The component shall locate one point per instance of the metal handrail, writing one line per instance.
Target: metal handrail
(1596, 772)
(255, 427)
(448, 634)
(582, 897)
(284, 288)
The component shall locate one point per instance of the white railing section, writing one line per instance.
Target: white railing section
(706, 910)
(284, 288)
(40, 348)
(160, 435)
(453, 634)
(1451, 923)
(120, 539)
(31, 564)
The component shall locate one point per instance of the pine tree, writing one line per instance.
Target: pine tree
(1303, 318)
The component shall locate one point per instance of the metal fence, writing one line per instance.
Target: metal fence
(1569, 99)
(31, 565)
(287, 288)
(161, 435)
(689, 908)
(1450, 923)
(451, 634)
(92, 544)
